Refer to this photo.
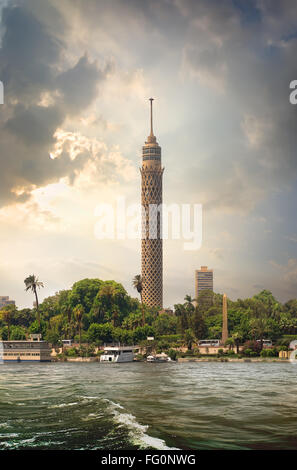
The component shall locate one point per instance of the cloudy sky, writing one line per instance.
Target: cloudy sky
(77, 75)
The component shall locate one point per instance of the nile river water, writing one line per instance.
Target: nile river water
(140, 406)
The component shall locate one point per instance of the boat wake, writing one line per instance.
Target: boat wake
(64, 405)
(137, 431)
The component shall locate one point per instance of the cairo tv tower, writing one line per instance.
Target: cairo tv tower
(151, 196)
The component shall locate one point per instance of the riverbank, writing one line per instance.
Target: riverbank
(75, 359)
(184, 359)
(228, 359)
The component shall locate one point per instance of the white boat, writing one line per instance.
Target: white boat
(158, 358)
(151, 359)
(118, 354)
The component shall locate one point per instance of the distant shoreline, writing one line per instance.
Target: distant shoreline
(245, 359)
(187, 359)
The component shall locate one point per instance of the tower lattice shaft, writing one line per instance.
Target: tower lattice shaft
(152, 243)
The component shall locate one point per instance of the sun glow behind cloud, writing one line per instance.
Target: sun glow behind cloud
(54, 206)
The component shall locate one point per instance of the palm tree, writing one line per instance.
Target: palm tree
(6, 314)
(66, 310)
(237, 339)
(181, 313)
(258, 328)
(32, 283)
(230, 342)
(259, 323)
(78, 313)
(189, 308)
(115, 316)
(132, 321)
(198, 323)
(189, 300)
(107, 293)
(137, 283)
(189, 338)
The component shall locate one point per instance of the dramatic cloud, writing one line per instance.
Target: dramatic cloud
(28, 55)
(247, 54)
(38, 99)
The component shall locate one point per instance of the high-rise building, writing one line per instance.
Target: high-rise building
(4, 300)
(225, 320)
(203, 280)
(151, 198)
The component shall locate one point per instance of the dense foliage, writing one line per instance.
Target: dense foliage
(95, 312)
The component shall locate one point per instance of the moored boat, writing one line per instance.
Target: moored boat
(118, 354)
(158, 358)
(33, 350)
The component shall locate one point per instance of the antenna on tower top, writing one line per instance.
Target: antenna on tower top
(151, 100)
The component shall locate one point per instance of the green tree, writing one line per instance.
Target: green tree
(18, 333)
(198, 322)
(189, 304)
(215, 331)
(78, 314)
(6, 314)
(212, 311)
(189, 338)
(273, 307)
(67, 313)
(84, 293)
(115, 316)
(110, 295)
(237, 340)
(181, 313)
(230, 342)
(141, 333)
(97, 332)
(287, 324)
(53, 337)
(50, 307)
(172, 354)
(205, 299)
(35, 328)
(258, 323)
(137, 284)
(132, 321)
(291, 308)
(24, 317)
(32, 283)
(165, 324)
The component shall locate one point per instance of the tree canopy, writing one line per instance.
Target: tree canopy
(97, 311)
